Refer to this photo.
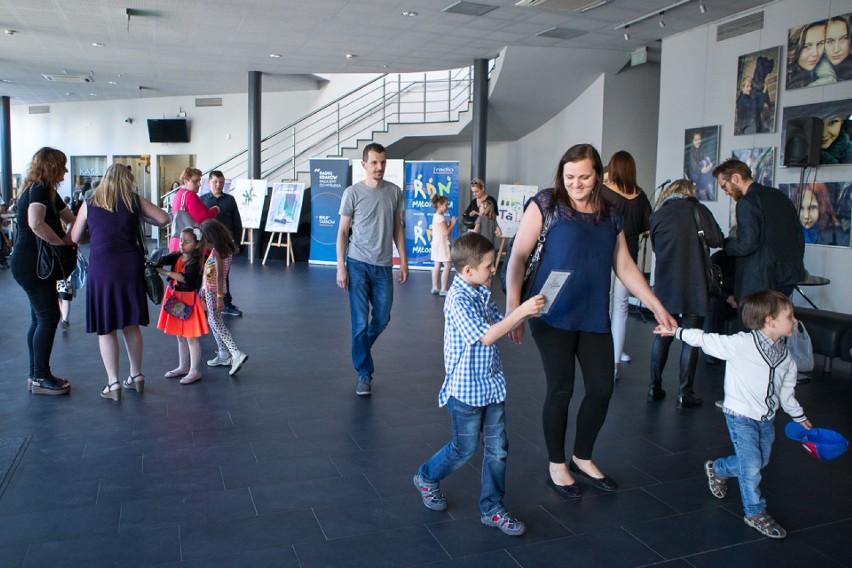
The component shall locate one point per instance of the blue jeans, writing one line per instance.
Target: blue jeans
(752, 441)
(369, 285)
(467, 422)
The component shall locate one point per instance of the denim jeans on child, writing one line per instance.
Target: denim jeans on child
(467, 422)
(369, 285)
(752, 441)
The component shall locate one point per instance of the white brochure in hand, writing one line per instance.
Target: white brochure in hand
(553, 286)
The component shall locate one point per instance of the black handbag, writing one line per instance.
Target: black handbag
(55, 262)
(154, 287)
(534, 259)
(712, 272)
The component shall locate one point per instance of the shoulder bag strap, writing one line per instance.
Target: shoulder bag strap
(143, 242)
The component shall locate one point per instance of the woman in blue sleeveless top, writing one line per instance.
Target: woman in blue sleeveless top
(586, 237)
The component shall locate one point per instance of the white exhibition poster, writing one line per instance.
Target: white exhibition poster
(552, 286)
(250, 195)
(510, 206)
(285, 207)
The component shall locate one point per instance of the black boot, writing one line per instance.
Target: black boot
(659, 355)
(688, 401)
(655, 393)
(688, 360)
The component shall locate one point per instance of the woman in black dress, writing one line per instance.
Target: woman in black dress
(477, 187)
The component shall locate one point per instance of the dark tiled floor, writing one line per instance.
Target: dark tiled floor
(285, 466)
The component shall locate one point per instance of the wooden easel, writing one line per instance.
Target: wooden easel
(248, 239)
(501, 252)
(281, 241)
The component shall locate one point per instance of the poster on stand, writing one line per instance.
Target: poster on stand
(329, 177)
(422, 181)
(285, 207)
(250, 195)
(510, 206)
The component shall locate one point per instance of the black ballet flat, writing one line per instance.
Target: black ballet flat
(567, 491)
(605, 483)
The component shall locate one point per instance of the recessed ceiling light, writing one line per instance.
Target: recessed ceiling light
(6, 81)
(410, 14)
(67, 94)
(112, 82)
(9, 32)
(93, 94)
(96, 44)
(351, 55)
(275, 55)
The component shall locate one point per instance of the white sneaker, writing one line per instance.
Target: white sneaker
(218, 361)
(237, 362)
(625, 358)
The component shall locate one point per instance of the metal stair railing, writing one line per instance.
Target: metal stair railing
(405, 98)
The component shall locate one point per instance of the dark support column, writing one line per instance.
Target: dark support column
(255, 91)
(478, 144)
(6, 148)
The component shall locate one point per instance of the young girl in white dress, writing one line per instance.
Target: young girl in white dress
(441, 231)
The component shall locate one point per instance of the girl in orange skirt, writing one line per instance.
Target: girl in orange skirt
(184, 281)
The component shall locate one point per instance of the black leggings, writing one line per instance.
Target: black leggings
(688, 357)
(44, 317)
(559, 349)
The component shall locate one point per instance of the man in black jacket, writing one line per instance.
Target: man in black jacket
(769, 243)
(229, 215)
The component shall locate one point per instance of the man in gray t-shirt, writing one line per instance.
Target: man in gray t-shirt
(373, 210)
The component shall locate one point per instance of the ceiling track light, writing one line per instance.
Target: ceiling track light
(702, 8)
(626, 35)
(661, 22)
(658, 12)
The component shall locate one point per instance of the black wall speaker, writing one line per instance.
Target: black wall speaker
(801, 147)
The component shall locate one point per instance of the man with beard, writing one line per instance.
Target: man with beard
(769, 243)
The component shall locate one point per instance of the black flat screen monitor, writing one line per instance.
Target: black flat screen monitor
(168, 130)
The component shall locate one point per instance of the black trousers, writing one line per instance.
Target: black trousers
(44, 317)
(688, 357)
(559, 349)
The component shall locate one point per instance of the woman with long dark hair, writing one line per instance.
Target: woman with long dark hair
(585, 237)
(622, 192)
(41, 213)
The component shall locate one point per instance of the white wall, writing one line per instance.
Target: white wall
(698, 88)
(94, 128)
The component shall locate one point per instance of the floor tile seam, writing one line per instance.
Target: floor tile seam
(253, 504)
(558, 520)
(663, 503)
(436, 539)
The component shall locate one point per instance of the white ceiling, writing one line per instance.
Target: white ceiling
(198, 47)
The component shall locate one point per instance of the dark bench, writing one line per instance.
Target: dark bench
(831, 333)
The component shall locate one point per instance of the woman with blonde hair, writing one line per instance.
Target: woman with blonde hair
(679, 279)
(41, 213)
(115, 290)
(477, 187)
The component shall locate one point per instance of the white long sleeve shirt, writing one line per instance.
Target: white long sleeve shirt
(754, 388)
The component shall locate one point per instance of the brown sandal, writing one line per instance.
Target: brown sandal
(135, 382)
(112, 391)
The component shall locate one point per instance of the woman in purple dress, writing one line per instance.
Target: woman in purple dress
(115, 291)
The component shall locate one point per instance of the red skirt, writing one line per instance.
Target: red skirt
(194, 326)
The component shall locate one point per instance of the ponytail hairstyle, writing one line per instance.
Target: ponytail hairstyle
(488, 210)
(438, 200)
(196, 255)
(218, 237)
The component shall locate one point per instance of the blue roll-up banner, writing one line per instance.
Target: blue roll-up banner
(329, 177)
(422, 181)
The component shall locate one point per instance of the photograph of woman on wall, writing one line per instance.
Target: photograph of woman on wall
(836, 139)
(818, 206)
(818, 53)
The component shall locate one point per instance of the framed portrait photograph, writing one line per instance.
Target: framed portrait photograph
(824, 211)
(836, 139)
(818, 53)
(761, 162)
(757, 91)
(700, 157)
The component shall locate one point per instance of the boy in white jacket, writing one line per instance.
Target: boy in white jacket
(760, 376)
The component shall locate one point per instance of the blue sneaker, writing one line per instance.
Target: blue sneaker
(365, 386)
(431, 494)
(503, 521)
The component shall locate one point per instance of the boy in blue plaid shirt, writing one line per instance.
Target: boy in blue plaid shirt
(474, 388)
